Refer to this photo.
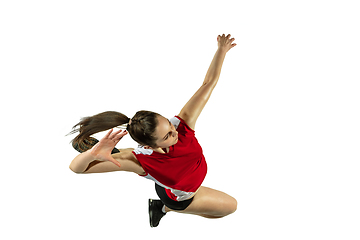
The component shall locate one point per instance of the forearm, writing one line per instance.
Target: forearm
(214, 70)
(192, 109)
(195, 105)
(81, 162)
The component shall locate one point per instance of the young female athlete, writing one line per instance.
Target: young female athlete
(168, 152)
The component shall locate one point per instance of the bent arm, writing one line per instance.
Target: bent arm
(86, 162)
(191, 111)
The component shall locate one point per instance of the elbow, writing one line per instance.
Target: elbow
(74, 170)
(210, 83)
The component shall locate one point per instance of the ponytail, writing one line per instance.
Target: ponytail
(141, 129)
(97, 123)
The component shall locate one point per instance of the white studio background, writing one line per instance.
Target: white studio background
(280, 132)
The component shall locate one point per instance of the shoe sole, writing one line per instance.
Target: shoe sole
(150, 213)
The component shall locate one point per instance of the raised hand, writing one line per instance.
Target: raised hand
(102, 150)
(225, 42)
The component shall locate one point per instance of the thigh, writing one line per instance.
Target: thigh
(212, 202)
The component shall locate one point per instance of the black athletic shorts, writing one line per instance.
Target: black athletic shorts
(172, 204)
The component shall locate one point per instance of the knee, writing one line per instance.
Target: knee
(230, 206)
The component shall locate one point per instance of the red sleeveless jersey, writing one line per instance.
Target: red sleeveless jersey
(182, 170)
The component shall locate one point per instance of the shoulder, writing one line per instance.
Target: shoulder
(142, 151)
(175, 121)
(190, 122)
(179, 121)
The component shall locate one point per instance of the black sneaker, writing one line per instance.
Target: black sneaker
(155, 212)
(92, 142)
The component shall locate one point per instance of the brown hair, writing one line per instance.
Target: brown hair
(141, 129)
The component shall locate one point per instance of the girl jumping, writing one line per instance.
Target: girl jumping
(168, 152)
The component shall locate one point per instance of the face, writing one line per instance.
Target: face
(166, 133)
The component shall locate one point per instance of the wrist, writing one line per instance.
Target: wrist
(91, 153)
(222, 49)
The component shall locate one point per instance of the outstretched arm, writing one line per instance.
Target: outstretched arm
(196, 104)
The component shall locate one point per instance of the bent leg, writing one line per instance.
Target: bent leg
(210, 203)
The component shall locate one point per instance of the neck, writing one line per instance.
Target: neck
(161, 150)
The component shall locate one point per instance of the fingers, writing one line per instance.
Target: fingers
(221, 37)
(115, 162)
(108, 134)
(227, 38)
(116, 135)
(119, 135)
(113, 135)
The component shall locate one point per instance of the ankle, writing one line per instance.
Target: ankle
(167, 209)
